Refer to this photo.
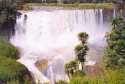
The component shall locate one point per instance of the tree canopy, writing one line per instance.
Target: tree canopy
(115, 51)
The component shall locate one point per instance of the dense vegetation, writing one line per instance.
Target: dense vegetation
(84, 4)
(72, 68)
(7, 11)
(115, 51)
(10, 69)
(7, 18)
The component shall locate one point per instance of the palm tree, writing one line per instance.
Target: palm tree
(83, 36)
(81, 49)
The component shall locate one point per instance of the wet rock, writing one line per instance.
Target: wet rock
(41, 64)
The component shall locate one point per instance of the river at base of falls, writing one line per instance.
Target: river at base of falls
(52, 35)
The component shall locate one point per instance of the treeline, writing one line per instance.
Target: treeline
(13, 3)
(19, 3)
(7, 17)
(76, 1)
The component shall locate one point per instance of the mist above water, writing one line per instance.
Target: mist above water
(52, 35)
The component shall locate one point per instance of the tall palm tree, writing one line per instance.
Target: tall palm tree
(81, 49)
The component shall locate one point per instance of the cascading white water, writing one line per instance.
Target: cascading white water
(52, 35)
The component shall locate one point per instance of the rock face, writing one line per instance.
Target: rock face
(42, 64)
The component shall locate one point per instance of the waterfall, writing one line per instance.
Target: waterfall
(52, 35)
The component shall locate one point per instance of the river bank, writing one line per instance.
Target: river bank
(30, 6)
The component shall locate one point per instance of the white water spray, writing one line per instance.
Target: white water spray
(52, 35)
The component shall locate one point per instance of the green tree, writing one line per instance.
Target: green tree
(115, 51)
(83, 37)
(81, 49)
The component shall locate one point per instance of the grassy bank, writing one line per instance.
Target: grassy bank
(10, 69)
(76, 5)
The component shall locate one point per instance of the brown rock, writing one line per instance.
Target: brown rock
(41, 64)
(94, 70)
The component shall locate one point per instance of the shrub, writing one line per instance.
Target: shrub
(115, 51)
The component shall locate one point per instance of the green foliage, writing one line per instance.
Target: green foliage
(81, 49)
(115, 52)
(117, 75)
(71, 67)
(79, 73)
(78, 48)
(8, 50)
(61, 82)
(30, 6)
(13, 82)
(83, 36)
(109, 77)
(10, 69)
